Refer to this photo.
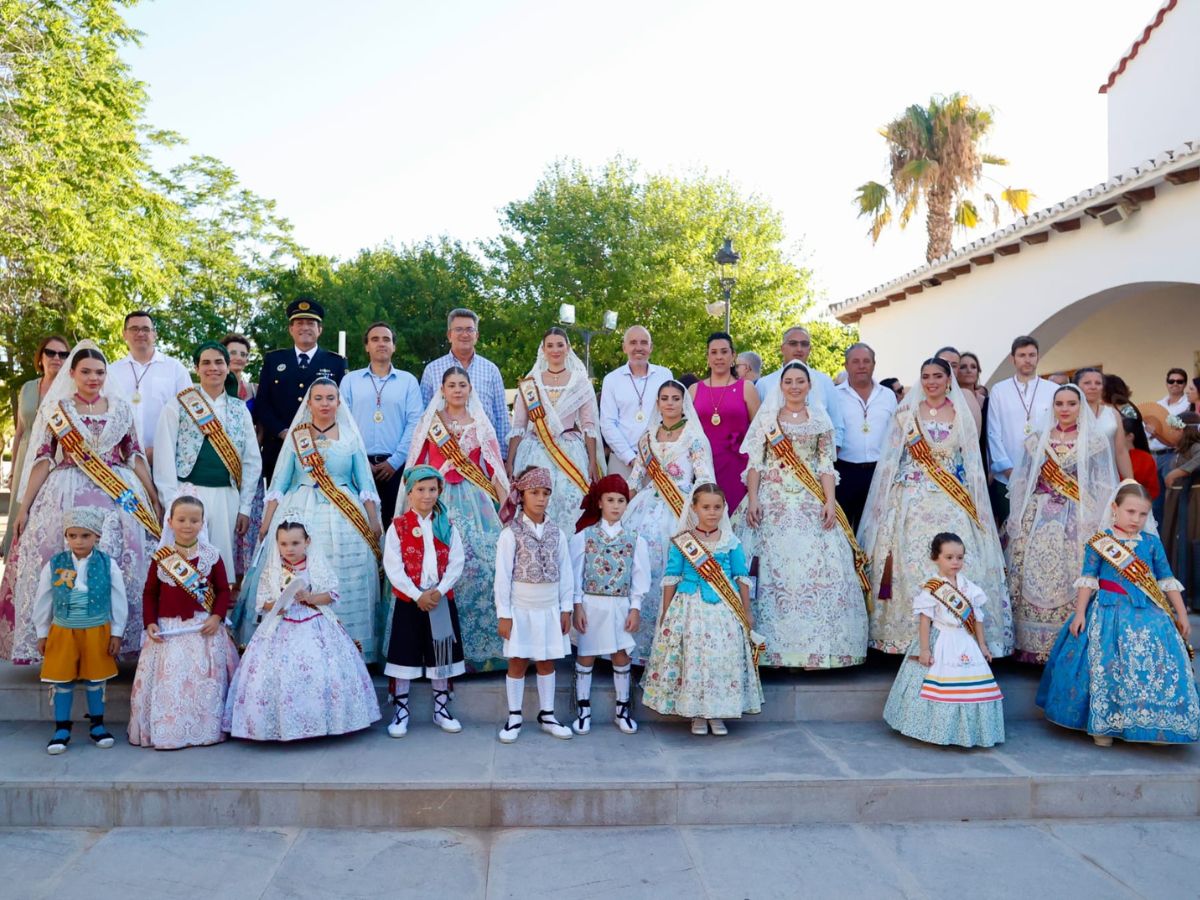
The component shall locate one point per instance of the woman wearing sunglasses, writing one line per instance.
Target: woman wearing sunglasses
(51, 353)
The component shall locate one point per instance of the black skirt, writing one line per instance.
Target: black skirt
(411, 652)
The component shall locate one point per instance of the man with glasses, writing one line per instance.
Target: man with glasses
(748, 366)
(462, 331)
(147, 378)
(1175, 403)
(797, 344)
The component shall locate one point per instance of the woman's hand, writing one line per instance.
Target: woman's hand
(504, 628)
(754, 513)
(1078, 624)
(1173, 476)
(243, 524)
(152, 632)
(211, 625)
(580, 618)
(925, 658)
(829, 514)
(268, 606)
(22, 521)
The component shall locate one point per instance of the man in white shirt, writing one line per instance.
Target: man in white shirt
(867, 409)
(797, 344)
(748, 366)
(627, 397)
(148, 379)
(1017, 407)
(1175, 403)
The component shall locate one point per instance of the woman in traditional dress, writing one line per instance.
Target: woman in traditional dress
(725, 404)
(323, 479)
(84, 451)
(1059, 492)
(810, 605)
(672, 456)
(1108, 421)
(1120, 666)
(556, 425)
(930, 479)
(51, 353)
(239, 349)
(456, 437)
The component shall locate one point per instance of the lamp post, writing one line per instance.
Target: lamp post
(727, 258)
(566, 318)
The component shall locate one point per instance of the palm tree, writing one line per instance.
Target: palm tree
(935, 157)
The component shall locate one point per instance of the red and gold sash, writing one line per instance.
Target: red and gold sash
(312, 462)
(186, 576)
(201, 412)
(1136, 571)
(537, 418)
(781, 445)
(667, 488)
(922, 455)
(955, 602)
(714, 576)
(1056, 477)
(99, 471)
(449, 447)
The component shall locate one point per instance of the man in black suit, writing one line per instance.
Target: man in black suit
(286, 375)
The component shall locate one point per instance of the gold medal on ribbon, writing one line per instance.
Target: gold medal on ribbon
(137, 397)
(641, 416)
(716, 419)
(378, 415)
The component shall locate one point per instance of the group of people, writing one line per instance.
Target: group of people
(696, 529)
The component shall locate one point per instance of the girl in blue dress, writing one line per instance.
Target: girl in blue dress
(1120, 667)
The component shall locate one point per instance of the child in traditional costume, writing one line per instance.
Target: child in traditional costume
(302, 675)
(423, 557)
(612, 574)
(535, 590)
(188, 658)
(80, 615)
(944, 692)
(704, 662)
(1120, 667)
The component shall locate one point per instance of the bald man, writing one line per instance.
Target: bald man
(797, 344)
(627, 397)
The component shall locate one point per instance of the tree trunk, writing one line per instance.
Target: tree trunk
(939, 223)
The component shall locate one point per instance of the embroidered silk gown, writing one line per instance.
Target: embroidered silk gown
(686, 461)
(1127, 675)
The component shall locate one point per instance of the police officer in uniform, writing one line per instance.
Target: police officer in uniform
(286, 375)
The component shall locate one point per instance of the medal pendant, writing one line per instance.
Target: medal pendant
(378, 415)
(866, 428)
(137, 397)
(416, 532)
(716, 419)
(1028, 428)
(641, 416)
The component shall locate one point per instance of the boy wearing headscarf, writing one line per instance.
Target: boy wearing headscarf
(423, 557)
(80, 616)
(612, 574)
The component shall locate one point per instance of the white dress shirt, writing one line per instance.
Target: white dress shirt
(1015, 411)
(640, 581)
(155, 384)
(166, 473)
(822, 392)
(393, 562)
(43, 607)
(1173, 409)
(506, 552)
(622, 396)
(866, 421)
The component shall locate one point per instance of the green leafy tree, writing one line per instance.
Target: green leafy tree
(935, 160)
(643, 246)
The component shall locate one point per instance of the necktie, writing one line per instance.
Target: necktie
(304, 360)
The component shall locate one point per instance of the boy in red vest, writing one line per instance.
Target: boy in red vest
(423, 558)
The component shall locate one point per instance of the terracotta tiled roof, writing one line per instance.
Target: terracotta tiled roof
(1136, 185)
(1138, 44)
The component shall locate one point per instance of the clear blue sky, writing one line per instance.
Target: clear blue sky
(372, 121)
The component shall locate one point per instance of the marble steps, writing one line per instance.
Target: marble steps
(852, 695)
(764, 773)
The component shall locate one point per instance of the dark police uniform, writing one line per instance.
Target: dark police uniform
(283, 382)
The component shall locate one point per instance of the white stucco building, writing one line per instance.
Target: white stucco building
(1110, 276)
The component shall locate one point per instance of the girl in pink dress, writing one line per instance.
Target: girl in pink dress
(725, 405)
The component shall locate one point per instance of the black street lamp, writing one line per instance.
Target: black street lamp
(727, 258)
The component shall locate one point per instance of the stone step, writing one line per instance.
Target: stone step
(851, 695)
(762, 773)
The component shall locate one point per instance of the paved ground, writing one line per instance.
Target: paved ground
(1094, 860)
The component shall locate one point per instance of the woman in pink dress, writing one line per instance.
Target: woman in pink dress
(725, 405)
